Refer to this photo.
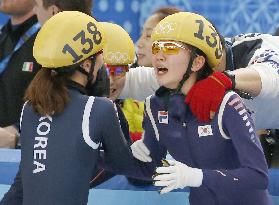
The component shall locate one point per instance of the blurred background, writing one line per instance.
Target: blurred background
(230, 16)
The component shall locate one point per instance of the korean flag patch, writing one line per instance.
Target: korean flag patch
(205, 130)
(163, 117)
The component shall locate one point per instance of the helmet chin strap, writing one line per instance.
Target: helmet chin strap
(89, 74)
(186, 74)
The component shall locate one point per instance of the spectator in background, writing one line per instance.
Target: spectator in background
(17, 65)
(144, 42)
(47, 8)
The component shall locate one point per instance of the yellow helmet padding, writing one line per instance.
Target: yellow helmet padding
(67, 38)
(192, 29)
(119, 48)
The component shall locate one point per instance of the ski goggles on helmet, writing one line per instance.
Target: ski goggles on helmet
(167, 47)
(116, 71)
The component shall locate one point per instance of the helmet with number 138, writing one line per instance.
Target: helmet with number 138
(69, 45)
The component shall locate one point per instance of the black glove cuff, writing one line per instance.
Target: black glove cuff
(242, 94)
(231, 76)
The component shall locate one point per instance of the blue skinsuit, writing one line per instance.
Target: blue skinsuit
(226, 149)
(60, 152)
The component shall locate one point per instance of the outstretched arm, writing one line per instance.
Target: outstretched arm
(260, 80)
(248, 80)
(117, 156)
(140, 82)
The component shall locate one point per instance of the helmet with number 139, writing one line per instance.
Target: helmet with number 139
(193, 35)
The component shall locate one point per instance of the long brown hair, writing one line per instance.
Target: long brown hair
(47, 92)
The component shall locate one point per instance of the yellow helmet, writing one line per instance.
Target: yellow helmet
(192, 29)
(67, 38)
(119, 48)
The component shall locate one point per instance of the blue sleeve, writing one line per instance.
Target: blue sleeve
(15, 194)
(117, 156)
(157, 150)
(252, 173)
(124, 125)
(103, 175)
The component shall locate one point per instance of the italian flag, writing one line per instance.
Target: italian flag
(27, 66)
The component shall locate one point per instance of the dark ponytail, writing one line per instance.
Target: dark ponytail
(47, 92)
